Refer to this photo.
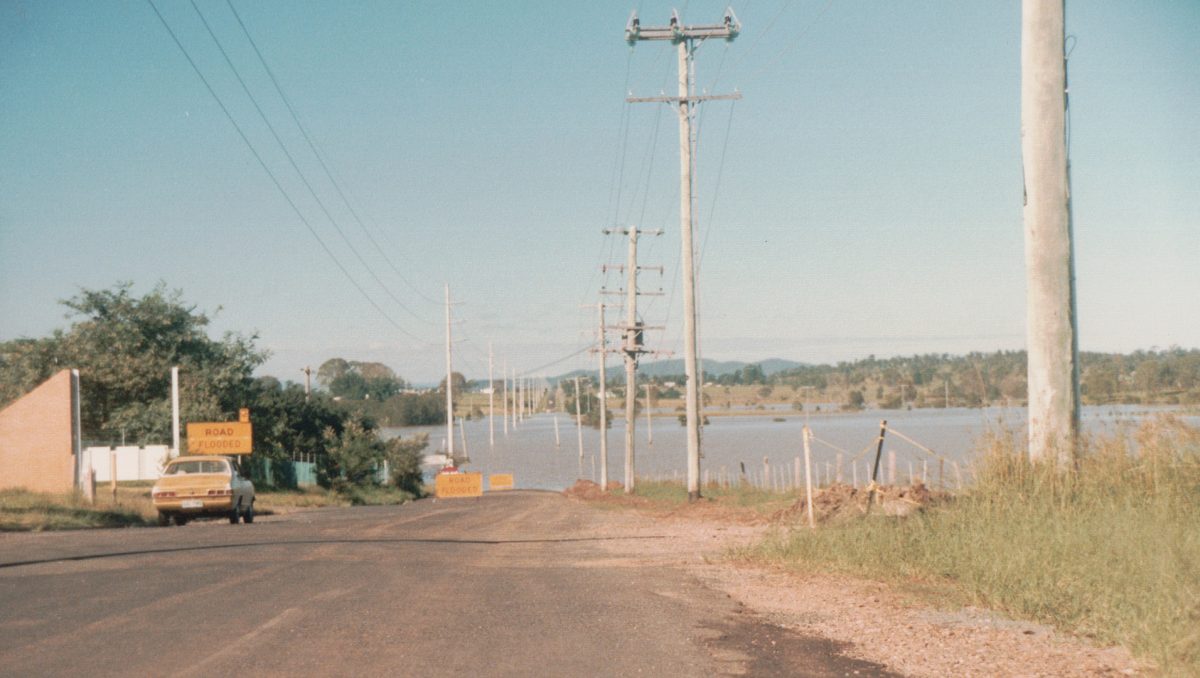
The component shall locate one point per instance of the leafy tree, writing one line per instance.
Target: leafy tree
(404, 461)
(354, 456)
(353, 380)
(124, 347)
(855, 400)
(459, 382)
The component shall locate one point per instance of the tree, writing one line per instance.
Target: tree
(459, 382)
(354, 380)
(124, 347)
(404, 462)
(855, 400)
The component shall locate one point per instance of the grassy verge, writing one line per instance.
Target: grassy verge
(1110, 551)
(672, 494)
(24, 511)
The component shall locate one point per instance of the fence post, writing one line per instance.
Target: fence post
(891, 467)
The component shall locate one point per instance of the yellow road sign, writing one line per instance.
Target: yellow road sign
(244, 415)
(228, 437)
(500, 481)
(451, 485)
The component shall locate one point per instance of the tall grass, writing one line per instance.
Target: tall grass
(1109, 548)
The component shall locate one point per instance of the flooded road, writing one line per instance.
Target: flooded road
(529, 450)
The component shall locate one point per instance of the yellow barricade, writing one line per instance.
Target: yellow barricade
(452, 485)
(500, 481)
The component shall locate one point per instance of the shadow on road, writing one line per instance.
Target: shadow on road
(313, 542)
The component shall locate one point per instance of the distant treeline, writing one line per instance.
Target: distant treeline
(1171, 376)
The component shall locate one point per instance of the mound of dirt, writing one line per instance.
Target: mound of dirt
(589, 491)
(841, 501)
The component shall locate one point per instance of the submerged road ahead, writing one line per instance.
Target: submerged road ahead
(522, 584)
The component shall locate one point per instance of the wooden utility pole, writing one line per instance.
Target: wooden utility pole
(649, 425)
(449, 388)
(602, 350)
(684, 37)
(1052, 342)
(491, 398)
(578, 419)
(632, 347)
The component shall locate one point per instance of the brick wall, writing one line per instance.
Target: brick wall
(37, 438)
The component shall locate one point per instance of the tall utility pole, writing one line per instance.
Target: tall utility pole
(578, 420)
(649, 424)
(504, 400)
(449, 388)
(1052, 343)
(491, 398)
(307, 381)
(603, 351)
(684, 38)
(632, 347)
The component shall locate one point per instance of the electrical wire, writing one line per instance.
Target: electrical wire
(304, 179)
(275, 180)
(319, 156)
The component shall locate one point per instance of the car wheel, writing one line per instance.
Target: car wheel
(164, 519)
(233, 516)
(248, 515)
(181, 520)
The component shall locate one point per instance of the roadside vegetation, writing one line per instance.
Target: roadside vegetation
(124, 347)
(1110, 550)
(24, 511)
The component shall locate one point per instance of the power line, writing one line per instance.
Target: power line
(274, 179)
(319, 156)
(299, 172)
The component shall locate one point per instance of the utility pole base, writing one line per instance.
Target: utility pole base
(694, 497)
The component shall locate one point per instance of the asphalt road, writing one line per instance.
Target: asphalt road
(521, 584)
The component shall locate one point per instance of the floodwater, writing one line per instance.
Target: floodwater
(541, 459)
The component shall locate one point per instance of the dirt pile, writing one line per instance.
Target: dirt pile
(842, 502)
(589, 491)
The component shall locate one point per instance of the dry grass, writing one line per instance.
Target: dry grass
(24, 511)
(1109, 549)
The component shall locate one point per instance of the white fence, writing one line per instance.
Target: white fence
(133, 463)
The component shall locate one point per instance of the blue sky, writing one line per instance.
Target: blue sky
(863, 197)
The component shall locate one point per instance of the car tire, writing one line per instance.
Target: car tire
(181, 520)
(164, 519)
(233, 516)
(248, 514)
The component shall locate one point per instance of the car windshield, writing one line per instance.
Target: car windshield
(206, 466)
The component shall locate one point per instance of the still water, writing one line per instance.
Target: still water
(540, 459)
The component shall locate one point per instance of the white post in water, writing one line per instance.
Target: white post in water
(649, 430)
(1051, 341)
(812, 523)
(491, 399)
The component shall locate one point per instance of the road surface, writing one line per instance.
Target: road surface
(517, 584)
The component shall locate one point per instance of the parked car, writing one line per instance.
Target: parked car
(203, 487)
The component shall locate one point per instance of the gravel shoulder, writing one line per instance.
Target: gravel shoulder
(868, 620)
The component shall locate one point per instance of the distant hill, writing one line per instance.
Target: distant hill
(674, 366)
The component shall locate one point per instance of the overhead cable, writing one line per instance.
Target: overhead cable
(275, 180)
